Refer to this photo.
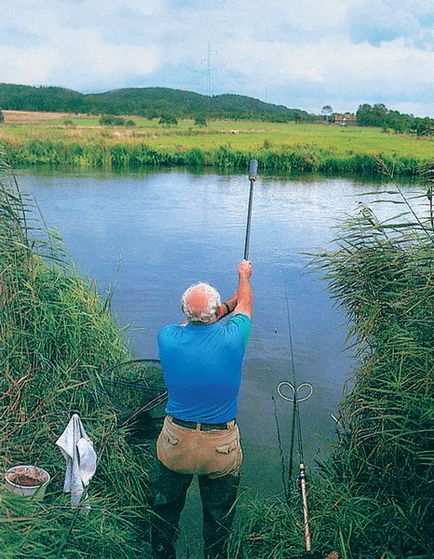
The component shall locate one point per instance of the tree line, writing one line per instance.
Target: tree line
(151, 102)
(387, 119)
(168, 105)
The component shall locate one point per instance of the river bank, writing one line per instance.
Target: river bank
(57, 335)
(222, 145)
(290, 160)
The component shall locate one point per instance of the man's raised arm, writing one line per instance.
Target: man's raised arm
(244, 292)
(242, 300)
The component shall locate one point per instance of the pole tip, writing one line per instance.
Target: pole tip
(253, 169)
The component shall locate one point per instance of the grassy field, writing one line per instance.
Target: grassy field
(34, 138)
(245, 135)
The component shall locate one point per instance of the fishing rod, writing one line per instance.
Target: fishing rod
(253, 170)
(295, 399)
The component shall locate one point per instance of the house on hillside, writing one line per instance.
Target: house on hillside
(346, 119)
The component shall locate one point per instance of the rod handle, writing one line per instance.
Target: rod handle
(307, 536)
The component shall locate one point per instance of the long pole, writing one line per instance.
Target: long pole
(253, 170)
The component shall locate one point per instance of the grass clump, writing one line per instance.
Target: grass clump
(131, 153)
(372, 497)
(56, 336)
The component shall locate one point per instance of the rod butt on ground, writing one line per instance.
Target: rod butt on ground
(302, 479)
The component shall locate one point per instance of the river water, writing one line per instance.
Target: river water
(151, 235)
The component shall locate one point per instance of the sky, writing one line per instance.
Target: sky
(303, 54)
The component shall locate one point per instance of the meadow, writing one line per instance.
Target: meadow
(44, 138)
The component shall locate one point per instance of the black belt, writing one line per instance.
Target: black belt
(202, 426)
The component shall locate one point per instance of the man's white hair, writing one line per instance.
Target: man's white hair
(209, 312)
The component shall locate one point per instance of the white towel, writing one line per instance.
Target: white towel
(80, 458)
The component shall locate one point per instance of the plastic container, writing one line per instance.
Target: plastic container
(27, 481)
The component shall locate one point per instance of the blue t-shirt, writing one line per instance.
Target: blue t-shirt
(202, 368)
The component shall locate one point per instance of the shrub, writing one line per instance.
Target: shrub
(110, 120)
(169, 120)
(200, 121)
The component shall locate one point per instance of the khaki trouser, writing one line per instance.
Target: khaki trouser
(214, 453)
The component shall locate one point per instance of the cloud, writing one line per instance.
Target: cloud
(82, 60)
(26, 66)
(303, 53)
(377, 22)
(62, 47)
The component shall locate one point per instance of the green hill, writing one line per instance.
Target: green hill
(147, 101)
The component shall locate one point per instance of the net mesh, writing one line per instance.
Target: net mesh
(134, 388)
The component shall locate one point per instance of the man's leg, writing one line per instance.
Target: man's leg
(218, 503)
(169, 491)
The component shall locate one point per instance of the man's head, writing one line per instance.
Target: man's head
(200, 303)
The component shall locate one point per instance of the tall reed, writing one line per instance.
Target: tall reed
(56, 336)
(372, 497)
(111, 154)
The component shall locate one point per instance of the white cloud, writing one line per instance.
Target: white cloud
(68, 53)
(26, 66)
(301, 51)
(332, 64)
(75, 61)
(92, 56)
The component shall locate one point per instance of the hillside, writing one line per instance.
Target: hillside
(145, 101)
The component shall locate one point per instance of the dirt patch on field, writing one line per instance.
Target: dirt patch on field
(31, 117)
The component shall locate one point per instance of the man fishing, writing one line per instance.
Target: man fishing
(202, 361)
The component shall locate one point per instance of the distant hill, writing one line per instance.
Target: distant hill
(147, 101)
